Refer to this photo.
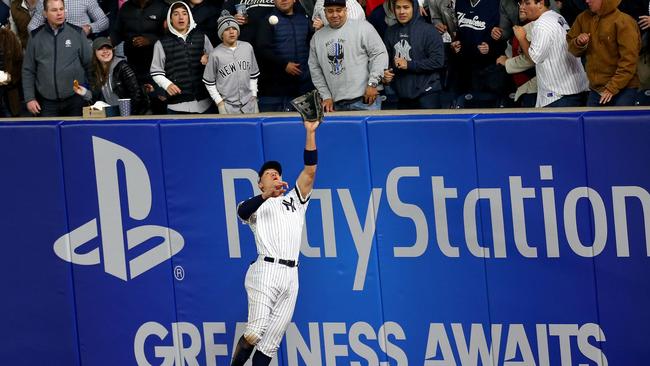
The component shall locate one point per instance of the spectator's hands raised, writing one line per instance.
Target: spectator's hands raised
(644, 22)
(520, 32)
(241, 19)
(318, 23)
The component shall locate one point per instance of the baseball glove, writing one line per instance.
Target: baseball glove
(310, 106)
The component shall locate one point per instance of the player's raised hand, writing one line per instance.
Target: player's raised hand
(311, 126)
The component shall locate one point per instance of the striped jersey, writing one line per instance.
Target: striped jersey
(278, 223)
(559, 73)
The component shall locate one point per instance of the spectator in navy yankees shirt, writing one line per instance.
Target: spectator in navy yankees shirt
(416, 56)
(476, 50)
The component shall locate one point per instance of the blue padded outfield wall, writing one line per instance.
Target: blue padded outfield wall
(435, 240)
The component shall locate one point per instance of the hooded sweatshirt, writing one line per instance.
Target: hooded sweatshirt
(613, 49)
(421, 45)
(177, 60)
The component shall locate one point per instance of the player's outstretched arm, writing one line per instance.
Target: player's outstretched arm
(308, 174)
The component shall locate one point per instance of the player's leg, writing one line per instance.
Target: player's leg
(261, 299)
(280, 317)
(260, 359)
(242, 352)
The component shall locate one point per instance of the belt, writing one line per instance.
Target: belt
(286, 262)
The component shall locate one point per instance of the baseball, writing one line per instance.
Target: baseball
(273, 20)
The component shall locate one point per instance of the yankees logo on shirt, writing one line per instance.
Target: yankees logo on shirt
(278, 223)
(403, 49)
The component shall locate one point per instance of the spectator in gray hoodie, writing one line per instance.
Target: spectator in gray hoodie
(347, 60)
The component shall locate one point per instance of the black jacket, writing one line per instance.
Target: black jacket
(257, 10)
(205, 16)
(287, 41)
(125, 85)
(134, 21)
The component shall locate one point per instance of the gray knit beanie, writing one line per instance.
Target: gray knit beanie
(224, 22)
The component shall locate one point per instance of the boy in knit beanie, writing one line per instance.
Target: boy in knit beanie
(231, 72)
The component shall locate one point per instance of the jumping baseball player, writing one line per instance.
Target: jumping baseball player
(271, 282)
(231, 73)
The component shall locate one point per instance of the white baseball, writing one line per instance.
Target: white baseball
(273, 20)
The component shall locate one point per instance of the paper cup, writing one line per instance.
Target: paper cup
(125, 107)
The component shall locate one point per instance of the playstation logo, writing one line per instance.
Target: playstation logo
(138, 191)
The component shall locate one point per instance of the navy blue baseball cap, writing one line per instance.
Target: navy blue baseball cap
(271, 164)
(327, 3)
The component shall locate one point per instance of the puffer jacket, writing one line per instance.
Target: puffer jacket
(613, 49)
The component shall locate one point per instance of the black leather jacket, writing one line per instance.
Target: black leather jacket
(126, 85)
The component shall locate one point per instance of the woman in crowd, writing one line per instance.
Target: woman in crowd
(113, 79)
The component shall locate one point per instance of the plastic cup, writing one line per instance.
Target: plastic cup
(125, 107)
(241, 9)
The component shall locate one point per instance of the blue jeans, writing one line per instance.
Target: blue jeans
(357, 104)
(275, 104)
(573, 100)
(428, 100)
(625, 97)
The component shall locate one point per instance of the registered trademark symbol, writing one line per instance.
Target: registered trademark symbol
(179, 273)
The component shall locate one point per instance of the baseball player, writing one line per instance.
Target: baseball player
(231, 73)
(271, 282)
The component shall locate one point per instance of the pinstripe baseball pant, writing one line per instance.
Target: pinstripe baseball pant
(272, 289)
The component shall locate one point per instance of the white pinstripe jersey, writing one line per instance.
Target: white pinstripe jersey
(278, 223)
(559, 73)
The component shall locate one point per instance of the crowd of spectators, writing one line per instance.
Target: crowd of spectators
(250, 56)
